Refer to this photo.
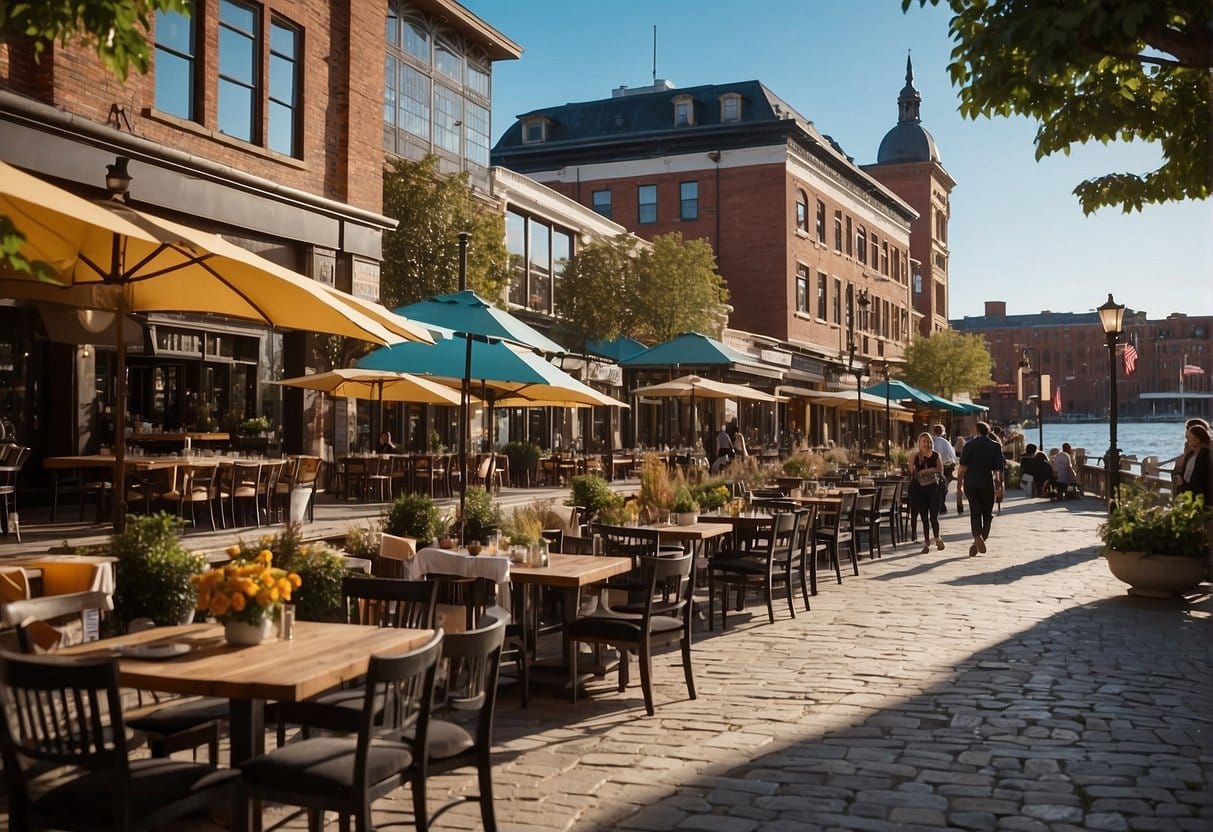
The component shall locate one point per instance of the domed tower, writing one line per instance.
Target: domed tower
(908, 164)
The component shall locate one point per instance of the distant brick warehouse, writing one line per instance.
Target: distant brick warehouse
(799, 230)
(1073, 351)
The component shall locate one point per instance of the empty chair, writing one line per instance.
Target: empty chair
(68, 712)
(461, 734)
(835, 529)
(242, 488)
(664, 618)
(9, 472)
(866, 518)
(760, 568)
(195, 484)
(347, 775)
(169, 727)
(379, 602)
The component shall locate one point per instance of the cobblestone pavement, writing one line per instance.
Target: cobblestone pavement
(1017, 690)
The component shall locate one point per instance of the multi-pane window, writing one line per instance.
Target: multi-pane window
(884, 258)
(850, 238)
(838, 230)
(175, 63)
(284, 89)
(837, 301)
(823, 308)
(416, 40)
(646, 203)
(515, 241)
(802, 288)
(414, 102)
(861, 244)
(601, 202)
(802, 212)
(448, 62)
(539, 293)
(476, 127)
(874, 247)
(448, 114)
(479, 80)
(730, 108)
(688, 201)
(239, 32)
(562, 251)
(539, 255)
(821, 222)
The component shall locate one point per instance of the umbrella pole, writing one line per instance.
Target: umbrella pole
(465, 426)
(119, 498)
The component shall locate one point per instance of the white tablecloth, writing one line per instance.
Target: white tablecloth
(435, 561)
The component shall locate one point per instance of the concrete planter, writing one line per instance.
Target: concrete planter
(687, 518)
(1155, 576)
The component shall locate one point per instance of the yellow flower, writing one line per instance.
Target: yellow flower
(295, 580)
(204, 601)
(264, 598)
(219, 604)
(265, 556)
(237, 603)
(284, 587)
(232, 551)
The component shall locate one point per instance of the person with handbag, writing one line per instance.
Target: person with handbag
(926, 472)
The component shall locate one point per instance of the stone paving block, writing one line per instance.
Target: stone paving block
(917, 817)
(717, 823)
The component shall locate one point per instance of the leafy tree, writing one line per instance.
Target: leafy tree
(116, 29)
(421, 257)
(1101, 70)
(947, 363)
(678, 290)
(596, 300)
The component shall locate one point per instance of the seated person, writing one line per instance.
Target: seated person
(1035, 463)
(385, 445)
(1063, 465)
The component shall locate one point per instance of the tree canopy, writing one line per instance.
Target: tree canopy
(421, 257)
(1100, 70)
(947, 363)
(613, 288)
(117, 30)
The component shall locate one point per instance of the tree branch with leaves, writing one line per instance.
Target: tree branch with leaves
(947, 363)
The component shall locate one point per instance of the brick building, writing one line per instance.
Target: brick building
(1073, 351)
(266, 122)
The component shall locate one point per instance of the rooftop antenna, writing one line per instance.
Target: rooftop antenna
(654, 54)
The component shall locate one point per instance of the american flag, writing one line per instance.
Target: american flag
(1130, 358)
(1057, 400)
(1192, 370)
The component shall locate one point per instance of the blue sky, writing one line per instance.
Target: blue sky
(1017, 232)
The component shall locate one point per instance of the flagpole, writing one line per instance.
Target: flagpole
(1183, 409)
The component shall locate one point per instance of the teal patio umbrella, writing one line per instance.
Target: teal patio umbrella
(899, 391)
(690, 349)
(617, 350)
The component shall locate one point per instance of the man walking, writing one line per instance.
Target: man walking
(980, 474)
(944, 448)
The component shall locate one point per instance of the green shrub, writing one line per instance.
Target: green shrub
(591, 492)
(362, 541)
(481, 516)
(1143, 521)
(683, 501)
(711, 494)
(153, 571)
(416, 516)
(524, 459)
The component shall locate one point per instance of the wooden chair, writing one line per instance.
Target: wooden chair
(759, 568)
(347, 775)
(866, 518)
(196, 484)
(242, 488)
(664, 618)
(835, 529)
(169, 727)
(461, 736)
(68, 712)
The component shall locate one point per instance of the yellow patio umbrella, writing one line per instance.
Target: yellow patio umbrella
(693, 387)
(109, 256)
(377, 385)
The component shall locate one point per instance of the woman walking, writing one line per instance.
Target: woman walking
(926, 470)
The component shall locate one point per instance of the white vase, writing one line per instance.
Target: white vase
(687, 518)
(243, 634)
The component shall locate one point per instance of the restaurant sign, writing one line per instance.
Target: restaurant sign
(365, 283)
(611, 374)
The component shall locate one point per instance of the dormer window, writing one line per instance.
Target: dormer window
(730, 107)
(684, 111)
(534, 130)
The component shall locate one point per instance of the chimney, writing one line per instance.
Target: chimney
(996, 309)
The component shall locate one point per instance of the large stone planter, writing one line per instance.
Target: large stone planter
(1155, 576)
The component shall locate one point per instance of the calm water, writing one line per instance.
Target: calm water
(1161, 439)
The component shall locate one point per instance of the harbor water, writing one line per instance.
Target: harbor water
(1164, 440)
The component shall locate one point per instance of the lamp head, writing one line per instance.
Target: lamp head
(118, 179)
(1111, 316)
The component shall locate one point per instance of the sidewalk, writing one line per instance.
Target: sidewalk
(1018, 690)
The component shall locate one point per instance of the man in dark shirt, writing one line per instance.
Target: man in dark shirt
(980, 472)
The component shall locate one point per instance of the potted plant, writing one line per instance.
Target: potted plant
(524, 461)
(245, 595)
(656, 490)
(591, 493)
(525, 527)
(415, 516)
(1158, 548)
(152, 576)
(481, 516)
(319, 568)
(711, 494)
(685, 506)
(254, 426)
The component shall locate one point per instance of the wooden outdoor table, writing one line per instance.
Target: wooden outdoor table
(55, 464)
(319, 657)
(180, 436)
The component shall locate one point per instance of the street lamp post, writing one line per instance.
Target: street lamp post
(1111, 318)
(888, 422)
(1033, 368)
(861, 301)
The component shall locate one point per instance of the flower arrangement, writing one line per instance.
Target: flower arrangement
(711, 496)
(245, 590)
(684, 503)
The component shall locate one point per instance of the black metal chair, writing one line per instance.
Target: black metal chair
(462, 735)
(761, 568)
(68, 712)
(665, 618)
(837, 529)
(376, 602)
(347, 775)
(169, 727)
